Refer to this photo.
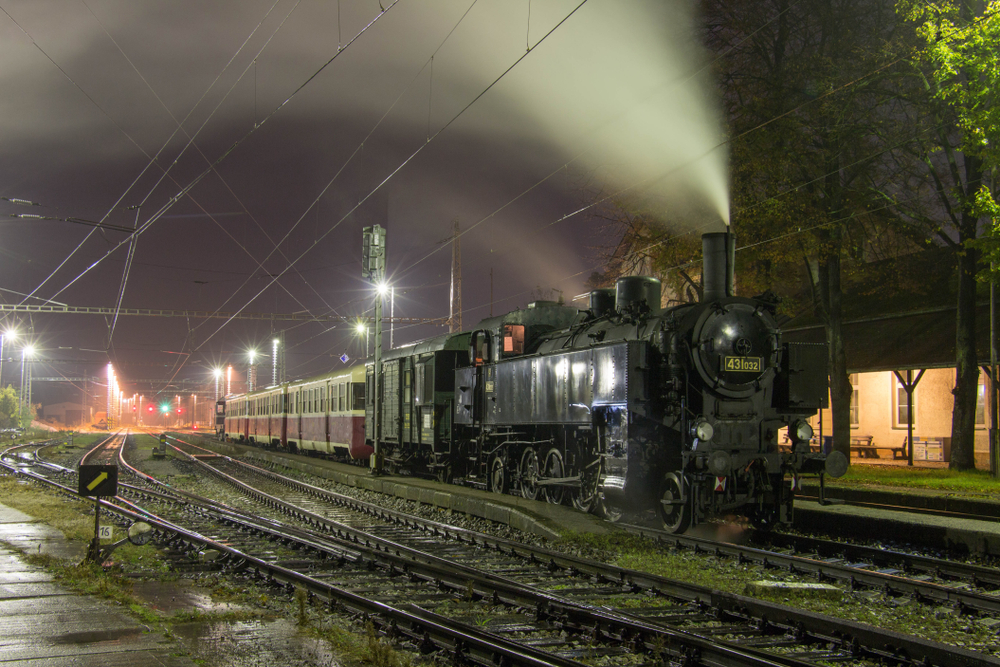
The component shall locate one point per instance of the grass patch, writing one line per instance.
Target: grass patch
(968, 481)
(75, 518)
(367, 649)
(897, 614)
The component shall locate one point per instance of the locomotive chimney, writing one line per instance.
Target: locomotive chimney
(719, 256)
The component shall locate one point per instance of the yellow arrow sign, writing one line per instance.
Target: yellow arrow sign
(97, 481)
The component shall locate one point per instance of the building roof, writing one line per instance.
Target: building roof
(898, 341)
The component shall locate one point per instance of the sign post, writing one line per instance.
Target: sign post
(96, 481)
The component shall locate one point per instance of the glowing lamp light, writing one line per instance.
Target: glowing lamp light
(29, 350)
(165, 408)
(217, 372)
(360, 327)
(382, 289)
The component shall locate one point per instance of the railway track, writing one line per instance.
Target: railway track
(504, 601)
(681, 607)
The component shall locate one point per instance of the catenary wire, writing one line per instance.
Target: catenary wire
(152, 160)
(398, 168)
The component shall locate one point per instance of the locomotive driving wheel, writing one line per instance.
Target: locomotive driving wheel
(529, 474)
(554, 468)
(676, 516)
(499, 481)
(588, 496)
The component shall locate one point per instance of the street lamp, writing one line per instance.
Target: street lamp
(217, 372)
(362, 329)
(9, 334)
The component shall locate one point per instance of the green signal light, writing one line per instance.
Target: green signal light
(165, 408)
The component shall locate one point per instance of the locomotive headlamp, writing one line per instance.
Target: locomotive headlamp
(801, 431)
(702, 430)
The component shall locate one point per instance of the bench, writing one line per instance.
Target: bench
(866, 449)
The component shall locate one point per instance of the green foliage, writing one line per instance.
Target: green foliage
(964, 51)
(9, 417)
(961, 49)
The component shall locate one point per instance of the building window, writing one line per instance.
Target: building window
(981, 402)
(900, 408)
(855, 417)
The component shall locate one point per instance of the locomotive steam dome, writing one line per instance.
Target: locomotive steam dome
(602, 301)
(637, 291)
(734, 347)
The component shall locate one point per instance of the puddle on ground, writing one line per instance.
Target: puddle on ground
(173, 596)
(254, 644)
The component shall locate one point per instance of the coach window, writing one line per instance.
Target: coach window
(513, 339)
(358, 396)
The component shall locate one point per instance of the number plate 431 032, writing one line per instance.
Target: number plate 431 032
(742, 364)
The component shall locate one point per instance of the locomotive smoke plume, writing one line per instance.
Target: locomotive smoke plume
(624, 85)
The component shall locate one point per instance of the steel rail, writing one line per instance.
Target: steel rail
(588, 617)
(848, 573)
(824, 628)
(423, 626)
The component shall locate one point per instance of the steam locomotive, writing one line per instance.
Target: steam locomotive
(623, 406)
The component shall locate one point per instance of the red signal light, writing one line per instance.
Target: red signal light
(150, 408)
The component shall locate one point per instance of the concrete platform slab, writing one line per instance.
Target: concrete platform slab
(43, 624)
(39, 538)
(955, 534)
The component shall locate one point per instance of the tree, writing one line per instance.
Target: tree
(805, 94)
(9, 417)
(952, 95)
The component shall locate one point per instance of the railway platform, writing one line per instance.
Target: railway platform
(942, 518)
(42, 623)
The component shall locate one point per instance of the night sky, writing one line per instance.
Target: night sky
(251, 153)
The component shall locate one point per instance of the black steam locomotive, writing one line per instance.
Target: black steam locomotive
(620, 407)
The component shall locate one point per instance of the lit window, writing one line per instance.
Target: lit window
(855, 417)
(981, 402)
(900, 410)
(513, 339)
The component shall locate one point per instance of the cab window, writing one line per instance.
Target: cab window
(481, 348)
(513, 339)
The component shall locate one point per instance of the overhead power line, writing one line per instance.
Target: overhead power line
(208, 314)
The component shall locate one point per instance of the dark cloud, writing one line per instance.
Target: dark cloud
(612, 100)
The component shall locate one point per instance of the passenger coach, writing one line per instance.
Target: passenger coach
(321, 414)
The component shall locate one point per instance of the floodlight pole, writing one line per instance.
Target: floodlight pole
(373, 269)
